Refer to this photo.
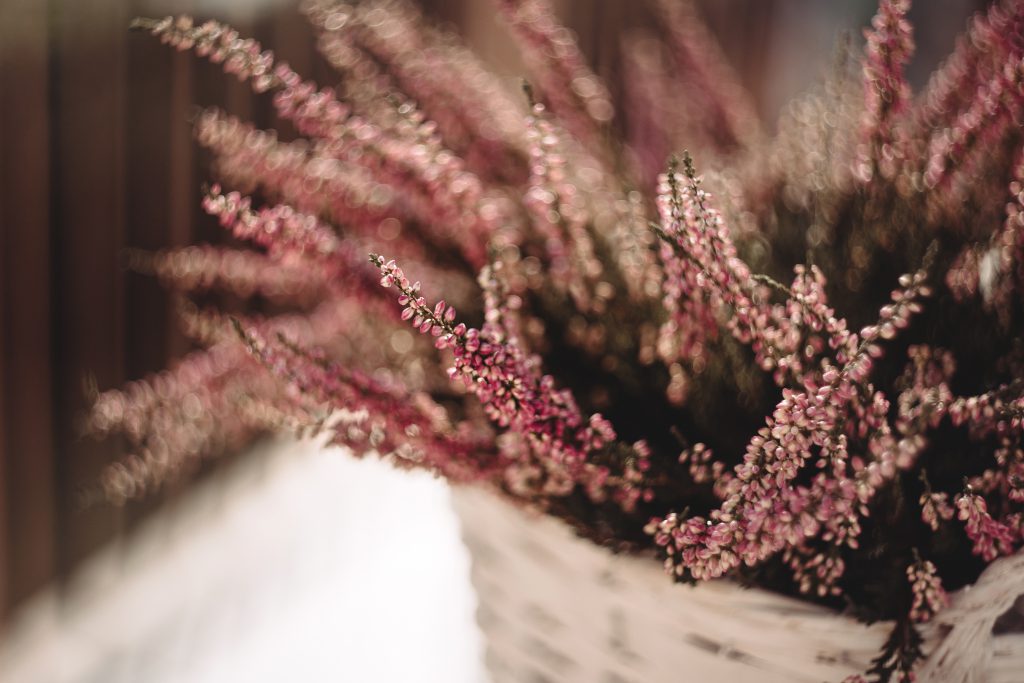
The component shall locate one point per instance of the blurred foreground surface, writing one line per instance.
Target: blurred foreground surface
(296, 564)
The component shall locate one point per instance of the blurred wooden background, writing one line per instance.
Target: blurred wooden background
(96, 155)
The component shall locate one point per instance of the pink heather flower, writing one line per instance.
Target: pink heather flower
(701, 464)
(281, 229)
(998, 273)
(241, 272)
(929, 598)
(991, 538)
(412, 154)
(513, 393)
(979, 53)
(370, 415)
(935, 509)
(886, 93)
(477, 119)
(816, 573)
(729, 116)
(305, 177)
(691, 322)
(762, 512)
(926, 394)
(999, 411)
(564, 81)
(558, 212)
(952, 152)
(206, 403)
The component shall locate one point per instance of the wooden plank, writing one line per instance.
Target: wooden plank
(89, 210)
(27, 523)
(183, 190)
(148, 141)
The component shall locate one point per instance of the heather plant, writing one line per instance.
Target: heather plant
(793, 359)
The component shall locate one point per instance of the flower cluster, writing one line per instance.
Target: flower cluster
(800, 367)
(560, 442)
(889, 46)
(585, 105)
(929, 597)
(991, 537)
(935, 509)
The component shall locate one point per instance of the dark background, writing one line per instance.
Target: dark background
(96, 155)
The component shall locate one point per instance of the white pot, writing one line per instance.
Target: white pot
(554, 607)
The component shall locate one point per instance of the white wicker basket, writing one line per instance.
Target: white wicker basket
(553, 607)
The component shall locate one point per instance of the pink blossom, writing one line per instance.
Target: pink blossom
(929, 598)
(991, 538)
(886, 93)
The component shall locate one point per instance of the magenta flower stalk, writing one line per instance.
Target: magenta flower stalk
(929, 596)
(723, 105)
(514, 394)
(889, 47)
(564, 81)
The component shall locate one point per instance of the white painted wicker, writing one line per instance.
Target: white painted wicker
(554, 607)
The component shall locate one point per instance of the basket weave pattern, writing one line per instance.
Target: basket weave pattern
(553, 607)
